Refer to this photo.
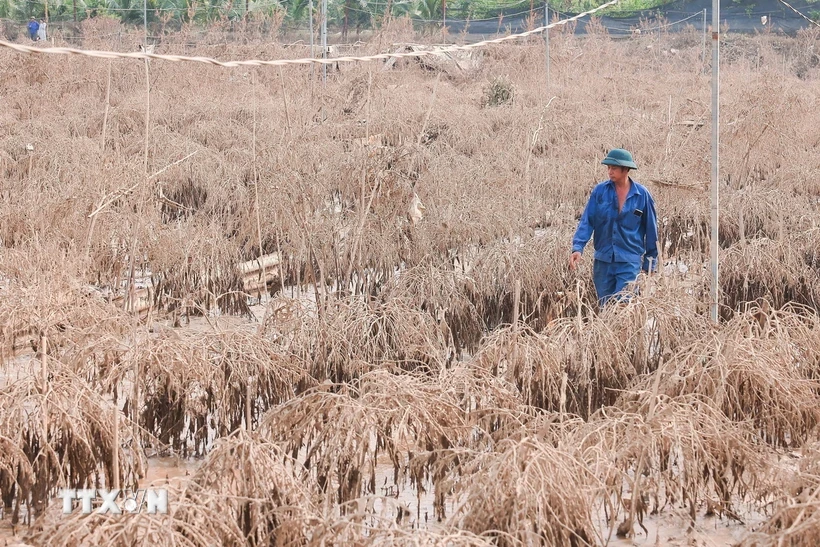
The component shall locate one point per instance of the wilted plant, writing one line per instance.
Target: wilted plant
(499, 92)
(452, 348)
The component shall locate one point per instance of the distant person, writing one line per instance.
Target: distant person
(33, 27)
(620, 214)
(41, 31)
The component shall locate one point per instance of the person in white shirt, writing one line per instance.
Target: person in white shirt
(41, 32)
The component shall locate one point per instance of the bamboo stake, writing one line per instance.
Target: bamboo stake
(115, 456)
(44, 360)
(107, 105)
(279, 252)
(44, 374)
(563, 402)
(285, 102)
(741, 221)
(104, 133)
(715, 194)
(248, 392)
(365, 209)
(429, 109)
(516, 303)
(132, 259)
(547, 40)
(135, 394)
(312, 53)
(264, 285)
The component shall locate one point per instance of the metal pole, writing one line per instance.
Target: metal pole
(547, 38)
(145, 21)
(703, 49)
(312, 53)
(324, 40)
(444, 19)
(715, 152)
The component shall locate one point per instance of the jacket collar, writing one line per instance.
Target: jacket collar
(633, 187)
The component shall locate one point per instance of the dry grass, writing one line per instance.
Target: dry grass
(765, 378)
(201, 386)
(542, 495)
(62, 435)
(455, 349)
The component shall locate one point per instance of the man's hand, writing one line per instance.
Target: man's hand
(574, 259)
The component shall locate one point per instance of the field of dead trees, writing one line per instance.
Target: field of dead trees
(410, 361)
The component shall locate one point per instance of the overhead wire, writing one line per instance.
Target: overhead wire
(303, 61)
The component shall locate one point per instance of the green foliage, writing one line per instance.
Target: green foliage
(428, 9)
(296, 10)
(625, 8)
(130, 11)
(500, 92)
(358, 13)
(486, 9)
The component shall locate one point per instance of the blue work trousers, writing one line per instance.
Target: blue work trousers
(612, 278)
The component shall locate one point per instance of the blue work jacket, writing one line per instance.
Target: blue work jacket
(630, 235)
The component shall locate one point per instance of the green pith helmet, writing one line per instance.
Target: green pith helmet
(620, 158)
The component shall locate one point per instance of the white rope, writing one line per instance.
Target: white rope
(661, 27)
(286, 62)
(811, 21)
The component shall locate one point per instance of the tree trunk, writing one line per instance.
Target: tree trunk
(344, 26)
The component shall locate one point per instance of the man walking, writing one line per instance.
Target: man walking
(620, 214)
(33, 27)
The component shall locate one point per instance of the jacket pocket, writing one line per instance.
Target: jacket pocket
(632, 219)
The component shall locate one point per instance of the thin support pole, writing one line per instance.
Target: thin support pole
(703, 48)
(115, 452)
(324, 40)
(444, 18)
(715, 154)
(312, 52)
(45, 390)
(264, 288)
(547, 38)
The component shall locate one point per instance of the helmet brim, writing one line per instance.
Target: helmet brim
(619, 163)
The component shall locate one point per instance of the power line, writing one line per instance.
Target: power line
(811, 21)
(660, 27)
(304, 61)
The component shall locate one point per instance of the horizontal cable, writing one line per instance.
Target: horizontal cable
(285, 62)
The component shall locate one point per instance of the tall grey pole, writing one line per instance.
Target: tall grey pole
(715, 153)
(547, 38)
(312, 52)
(703, 49)
(324, 40)
(145, 20)
(444, 20)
